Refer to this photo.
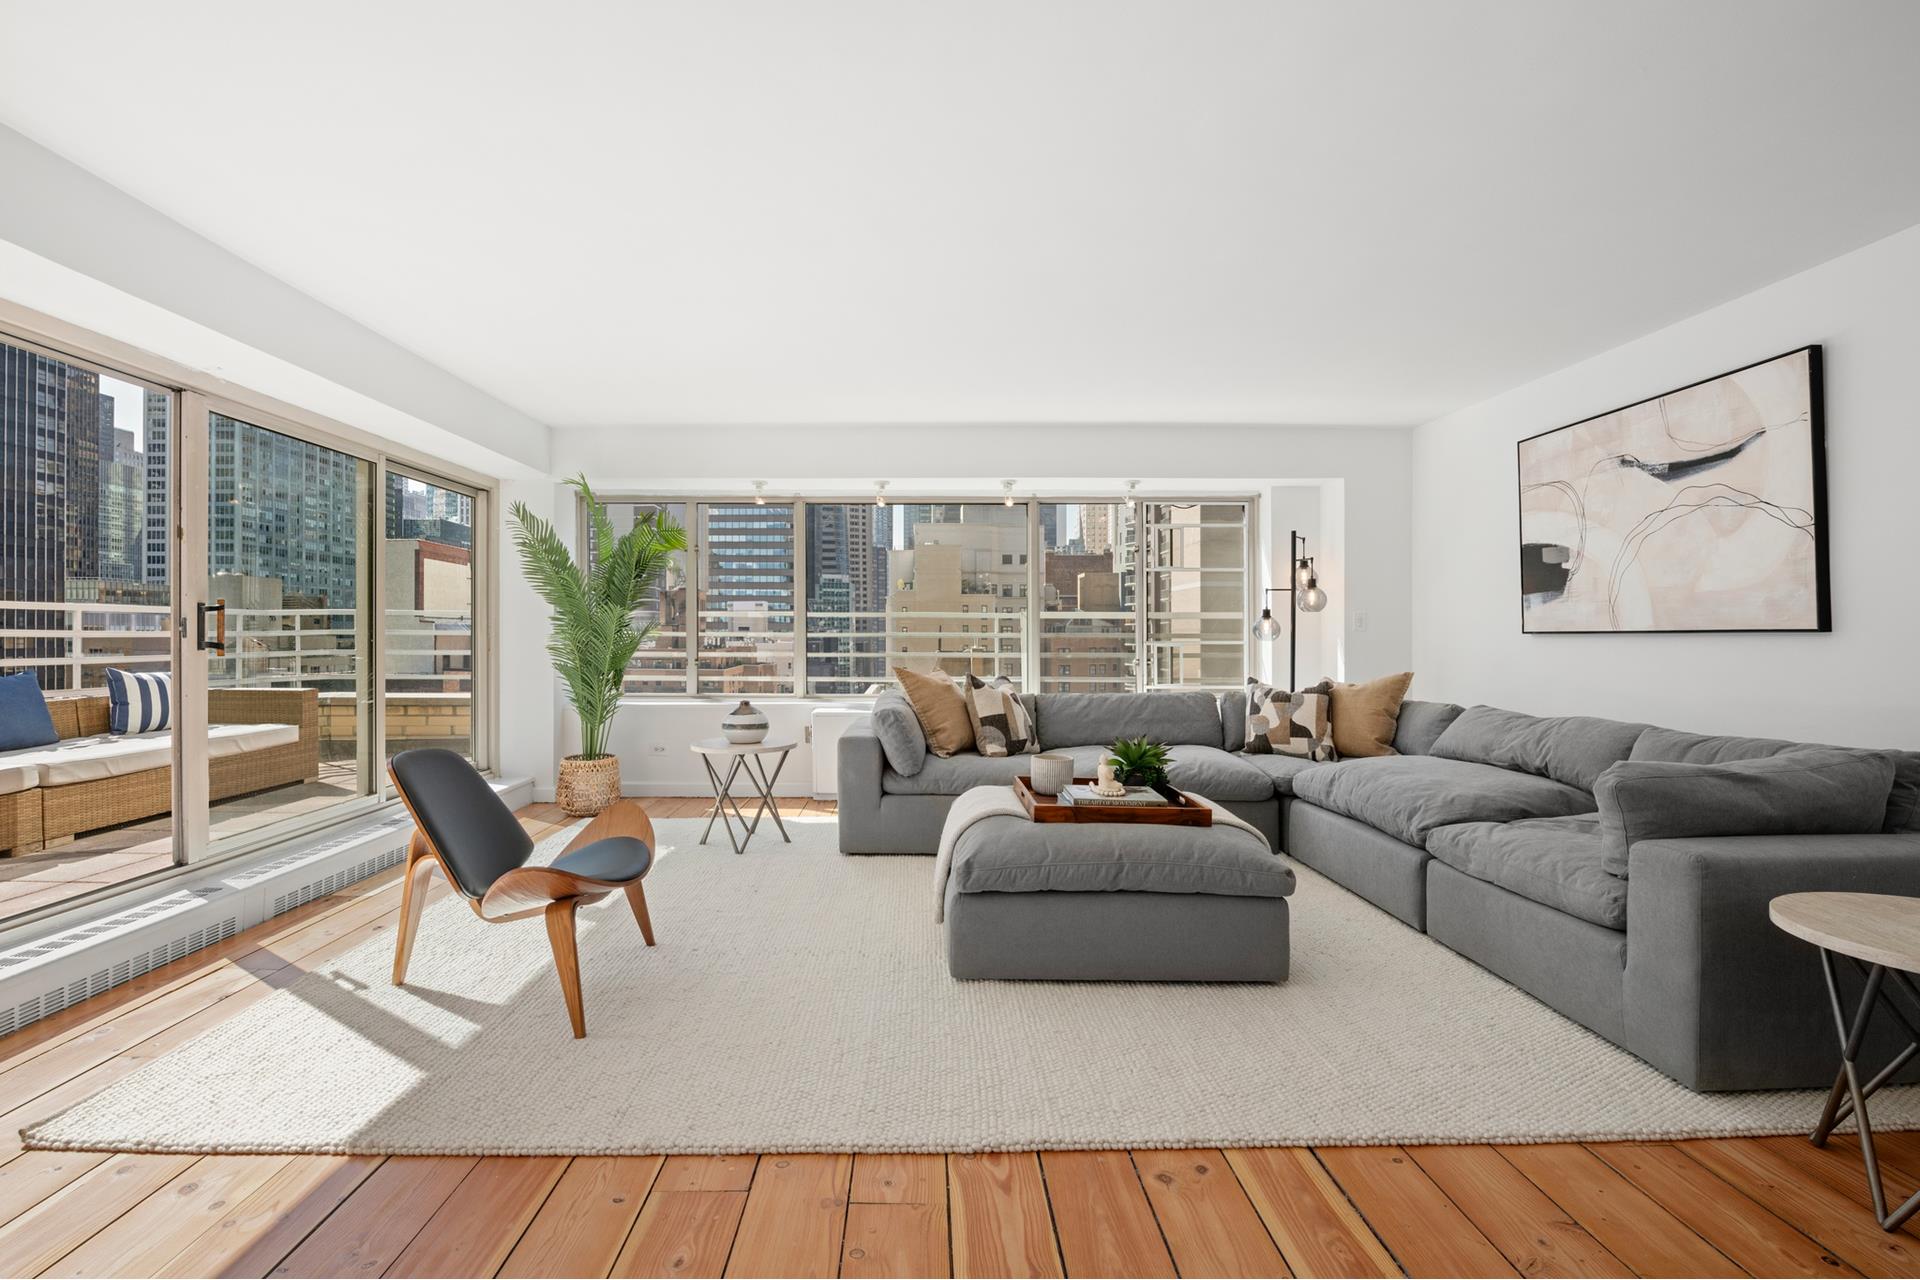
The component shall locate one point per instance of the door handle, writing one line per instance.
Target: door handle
(218, 645)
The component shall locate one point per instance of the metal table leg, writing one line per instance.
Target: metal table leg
(757, 774)
(722, 801)
(1849, 1096)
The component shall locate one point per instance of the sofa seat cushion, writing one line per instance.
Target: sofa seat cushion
(1281, 770)
(1012, 855)
(1409, 796)
(1215, 774)
(77, 760)
(17, 775)
(1556, 862)
(951, 775)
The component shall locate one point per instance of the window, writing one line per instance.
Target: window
(661, 664)
(746, 585)
(1087, 595)
(1194, 565)
(889, 586)
(827, 598)
(428, 563)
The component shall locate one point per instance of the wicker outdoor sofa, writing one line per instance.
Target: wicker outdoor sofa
(258, 739)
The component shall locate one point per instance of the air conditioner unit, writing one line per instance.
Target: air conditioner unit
(825, 728)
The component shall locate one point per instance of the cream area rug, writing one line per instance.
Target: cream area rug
(799, 1001)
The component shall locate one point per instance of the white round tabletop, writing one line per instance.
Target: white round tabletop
(721, 747)
(1879, 928)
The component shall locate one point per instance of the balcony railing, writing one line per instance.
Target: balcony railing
(427, 649)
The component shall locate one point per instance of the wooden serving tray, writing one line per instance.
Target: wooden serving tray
(1184, 811)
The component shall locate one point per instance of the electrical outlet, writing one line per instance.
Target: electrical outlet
(1359, 622)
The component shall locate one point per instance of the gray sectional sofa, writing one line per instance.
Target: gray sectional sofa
(1513, 840)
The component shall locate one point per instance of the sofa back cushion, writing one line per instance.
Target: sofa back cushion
(942, 711)
(139, 701)
(24, 719)
(1001, 723)
(1366, 715)
(1903, 800)
(1233, 719)
(902, 740)
(1575, 750)
(1170, 716)
(1803, 792)
(1421, 724)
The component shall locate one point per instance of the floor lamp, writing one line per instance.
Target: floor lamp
(1303, 596)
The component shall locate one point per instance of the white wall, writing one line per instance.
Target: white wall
(1306, 478)
(1856, 685)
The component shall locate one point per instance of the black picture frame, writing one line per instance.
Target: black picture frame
(1817, 463)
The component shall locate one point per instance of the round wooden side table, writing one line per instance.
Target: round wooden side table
(1879, 934)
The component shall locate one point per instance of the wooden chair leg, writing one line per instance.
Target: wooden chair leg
(637, 898)
(413, 900)
(566, 960)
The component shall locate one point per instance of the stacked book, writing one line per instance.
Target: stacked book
(1082, 793)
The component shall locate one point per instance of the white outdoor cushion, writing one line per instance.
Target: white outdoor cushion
(77, 760)
(16, 776)
(235, 739)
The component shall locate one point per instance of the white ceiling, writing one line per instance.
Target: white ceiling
(995, 210)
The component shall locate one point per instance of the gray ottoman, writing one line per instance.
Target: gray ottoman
(1116, 902)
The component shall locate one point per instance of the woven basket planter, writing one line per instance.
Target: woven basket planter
(587, 786)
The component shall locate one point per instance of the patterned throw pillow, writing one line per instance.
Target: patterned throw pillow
(138, 701)
(1000, 723)
(1290, 724)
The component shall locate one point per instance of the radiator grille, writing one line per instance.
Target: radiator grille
(53, 1000)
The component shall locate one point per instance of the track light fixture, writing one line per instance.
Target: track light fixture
(1006, 490)
(759, 493)
(1133, 498)
(879, 493)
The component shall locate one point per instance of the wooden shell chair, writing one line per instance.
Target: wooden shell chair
(467, 831)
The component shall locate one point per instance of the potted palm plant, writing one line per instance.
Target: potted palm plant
(594, 637)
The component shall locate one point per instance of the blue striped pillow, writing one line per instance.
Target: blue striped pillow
(138, 702)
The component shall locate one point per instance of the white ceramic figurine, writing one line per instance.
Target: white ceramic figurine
(1108, 785)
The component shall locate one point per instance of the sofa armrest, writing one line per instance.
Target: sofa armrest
(862, 761)
(1716, 995)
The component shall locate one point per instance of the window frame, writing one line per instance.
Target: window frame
(695, 502)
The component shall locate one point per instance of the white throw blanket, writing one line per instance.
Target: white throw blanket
(980, 803)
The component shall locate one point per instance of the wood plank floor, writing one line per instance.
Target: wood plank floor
(1773, 1206)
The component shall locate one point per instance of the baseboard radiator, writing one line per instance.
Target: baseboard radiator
(41, 977)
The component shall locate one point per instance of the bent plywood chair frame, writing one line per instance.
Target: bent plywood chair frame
(528, 891)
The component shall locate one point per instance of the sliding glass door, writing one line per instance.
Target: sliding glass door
(230, 616)
(289, 574)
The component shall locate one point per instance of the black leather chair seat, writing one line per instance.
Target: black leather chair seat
(615, 860)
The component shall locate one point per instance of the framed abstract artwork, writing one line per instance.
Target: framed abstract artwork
(1703, 509)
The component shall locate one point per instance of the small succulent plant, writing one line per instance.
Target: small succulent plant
(1138, 762)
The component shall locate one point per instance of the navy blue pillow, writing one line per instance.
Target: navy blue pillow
(24, 720)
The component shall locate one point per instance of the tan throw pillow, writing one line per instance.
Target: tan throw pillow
(999, 718)
(1365, 715)
(1280, 723)
(940, 708)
